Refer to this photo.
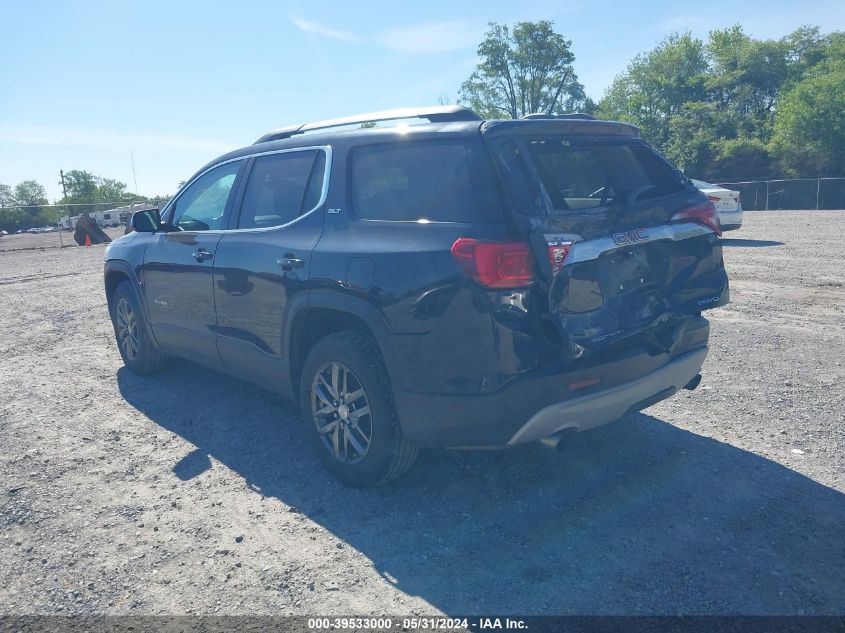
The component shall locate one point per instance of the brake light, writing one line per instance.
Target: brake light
(557, 253)
(494, 264)
(713, 199)
(704, 214)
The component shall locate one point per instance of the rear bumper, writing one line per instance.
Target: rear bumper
(611, 404)
(542, 401)
(730, 220)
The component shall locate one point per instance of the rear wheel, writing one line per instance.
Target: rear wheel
(346, 401)
(130, 330)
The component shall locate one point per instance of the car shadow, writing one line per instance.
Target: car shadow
(635, 516)
(749, 243)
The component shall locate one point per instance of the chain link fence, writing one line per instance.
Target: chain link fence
(111, 216)
(795, 193)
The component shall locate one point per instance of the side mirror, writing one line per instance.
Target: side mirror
(148, 221)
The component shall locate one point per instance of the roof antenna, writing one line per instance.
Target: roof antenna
(559, 88)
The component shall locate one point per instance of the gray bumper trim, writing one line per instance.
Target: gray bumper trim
(611, 404)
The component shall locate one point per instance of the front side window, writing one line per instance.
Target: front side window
(414, 181)
(281, 187)
(202, 205)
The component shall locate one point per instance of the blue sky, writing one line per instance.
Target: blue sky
(177, 83)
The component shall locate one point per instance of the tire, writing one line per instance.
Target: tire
(139, 353)
(367, 421)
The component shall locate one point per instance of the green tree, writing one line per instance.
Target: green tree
(746, 78)
(6, 197)
(806, 48)
(738, 107)
(30, 193)
(8, 216)
(81, 187)
(691, 134)
(110, 190)
(739, 158)
(657, 85)
(523, 70)
(92, 192)
(810, 127)
(23, 206)
(30, 196)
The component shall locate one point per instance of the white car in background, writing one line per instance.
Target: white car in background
(727, 204)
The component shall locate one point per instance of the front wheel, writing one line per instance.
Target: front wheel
(139, 353)
(346, 401)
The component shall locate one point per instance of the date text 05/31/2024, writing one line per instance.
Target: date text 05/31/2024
(416, 624)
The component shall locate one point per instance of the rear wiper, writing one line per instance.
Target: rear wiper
(632, 197)
(629, 201)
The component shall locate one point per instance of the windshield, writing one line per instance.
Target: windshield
(553, 174)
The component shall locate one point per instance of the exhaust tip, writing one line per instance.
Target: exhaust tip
(558, 441)
(692, 384)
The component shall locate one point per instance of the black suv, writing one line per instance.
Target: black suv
(455, 283)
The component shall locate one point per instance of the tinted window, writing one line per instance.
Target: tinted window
(315, 183)
(414, 181)
(276, 190)
(564, 174)
(202, 205)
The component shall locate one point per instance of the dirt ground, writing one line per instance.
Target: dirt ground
(191, 492)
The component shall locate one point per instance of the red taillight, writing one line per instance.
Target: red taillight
(494, 264)
(557, 253)
(713, 199)
(704, 214)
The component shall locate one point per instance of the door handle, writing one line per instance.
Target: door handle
(202, 255)
(289, 262)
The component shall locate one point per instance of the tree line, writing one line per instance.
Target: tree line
(29, 194)
(731, 107)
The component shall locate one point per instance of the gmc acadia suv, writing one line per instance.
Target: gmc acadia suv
(455, 283)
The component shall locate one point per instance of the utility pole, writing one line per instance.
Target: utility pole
(67, 216)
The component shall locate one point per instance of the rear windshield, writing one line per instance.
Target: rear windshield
(435, 181)
(553, 174)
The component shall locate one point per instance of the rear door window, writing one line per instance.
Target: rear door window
(281, 187)
(412, 181)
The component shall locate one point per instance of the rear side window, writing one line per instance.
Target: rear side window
(562, 174)
(413, 181)
(281, 187)
(314, 189)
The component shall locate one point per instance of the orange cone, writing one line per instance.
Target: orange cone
(87, 240)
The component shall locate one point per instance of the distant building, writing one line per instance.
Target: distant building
(118, 216)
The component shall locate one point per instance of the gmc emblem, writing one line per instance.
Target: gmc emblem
(630, 237)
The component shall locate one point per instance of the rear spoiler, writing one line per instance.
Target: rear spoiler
(561, 124)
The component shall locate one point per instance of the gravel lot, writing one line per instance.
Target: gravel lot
(191, 492)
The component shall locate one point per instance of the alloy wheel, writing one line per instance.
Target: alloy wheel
(341, 412)
(127, 329)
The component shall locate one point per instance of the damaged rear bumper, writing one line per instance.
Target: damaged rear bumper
(605, 406)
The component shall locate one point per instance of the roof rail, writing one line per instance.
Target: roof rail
(435, 114)
(574, 115)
